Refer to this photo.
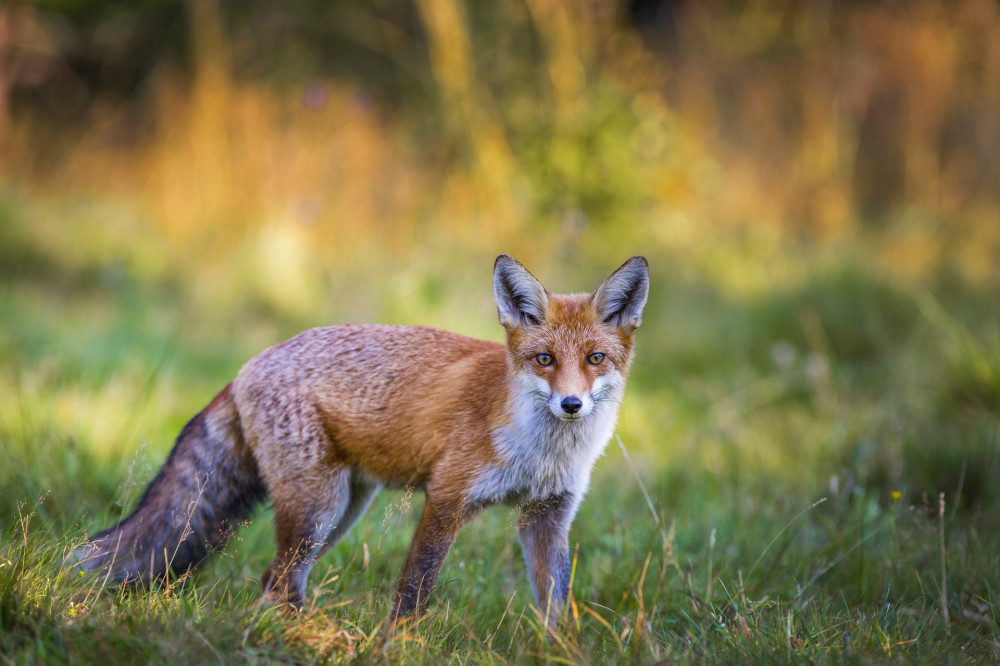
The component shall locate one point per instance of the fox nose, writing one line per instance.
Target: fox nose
(571, 405)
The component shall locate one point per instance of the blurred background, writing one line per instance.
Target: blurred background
(276, 148)
(816, 185)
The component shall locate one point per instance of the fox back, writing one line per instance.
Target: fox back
(322, 421)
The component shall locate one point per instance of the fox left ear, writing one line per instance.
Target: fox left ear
(621, 298)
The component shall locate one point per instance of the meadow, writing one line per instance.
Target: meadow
(806, 466)
(807, 474)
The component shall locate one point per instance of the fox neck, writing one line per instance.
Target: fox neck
(540, 455)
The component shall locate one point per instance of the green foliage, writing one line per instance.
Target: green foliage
(847, 313)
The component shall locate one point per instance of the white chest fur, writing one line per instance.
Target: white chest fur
(542, 455)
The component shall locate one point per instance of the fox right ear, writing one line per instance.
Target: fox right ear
(621, 298)
(521, 298)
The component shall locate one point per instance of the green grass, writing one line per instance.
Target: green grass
(779, 500)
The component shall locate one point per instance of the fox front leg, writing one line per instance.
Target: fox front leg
(543, 528)
(436, 532)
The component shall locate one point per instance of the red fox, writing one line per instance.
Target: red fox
(321, 422)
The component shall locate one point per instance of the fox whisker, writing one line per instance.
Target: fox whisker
(606, 394)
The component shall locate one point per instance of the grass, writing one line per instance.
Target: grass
(774, 495)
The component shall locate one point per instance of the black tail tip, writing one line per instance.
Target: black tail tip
(94, 557)
(84, 558)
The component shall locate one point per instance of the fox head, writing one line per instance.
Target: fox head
(571, 351)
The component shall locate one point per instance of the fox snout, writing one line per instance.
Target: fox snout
(573, 405)
(570, 407)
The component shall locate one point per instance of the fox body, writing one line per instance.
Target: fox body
(322, 421)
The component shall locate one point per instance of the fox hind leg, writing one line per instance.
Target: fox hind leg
(361, 492)
(304, 518)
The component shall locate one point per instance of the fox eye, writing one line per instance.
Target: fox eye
(544, 359)
(596, 358)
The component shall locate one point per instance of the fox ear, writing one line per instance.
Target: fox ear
(621, 298)
(521, 299)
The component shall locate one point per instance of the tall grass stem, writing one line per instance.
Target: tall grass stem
(944, 567)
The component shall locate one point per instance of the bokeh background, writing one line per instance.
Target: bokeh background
(292, 144)
(816, 185)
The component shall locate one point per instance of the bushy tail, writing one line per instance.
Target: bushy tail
(208, 484)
